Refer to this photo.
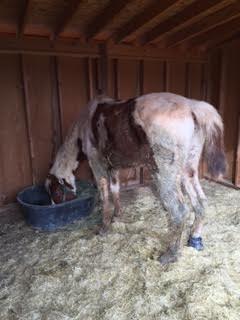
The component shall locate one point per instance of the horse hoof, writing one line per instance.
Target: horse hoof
(196, 243)
(116, 218)
(167, 258)
(101, 231)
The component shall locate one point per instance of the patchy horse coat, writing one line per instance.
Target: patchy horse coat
(165, 132)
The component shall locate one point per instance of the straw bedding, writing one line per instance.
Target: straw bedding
(75, 274)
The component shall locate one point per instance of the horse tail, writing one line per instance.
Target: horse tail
(211, 125)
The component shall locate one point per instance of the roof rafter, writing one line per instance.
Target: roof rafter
(207, 23)
(25, 10)
(68, 15)
(105, 17)
(214, 37)
(190, 14)
(154, 10)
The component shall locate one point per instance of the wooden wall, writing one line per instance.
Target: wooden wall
(42, 95)
(224, 93)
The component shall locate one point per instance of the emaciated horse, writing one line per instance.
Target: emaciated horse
(163, 131)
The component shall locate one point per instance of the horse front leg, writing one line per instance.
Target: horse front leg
(104, 193)
(102, 181)
(115, 190)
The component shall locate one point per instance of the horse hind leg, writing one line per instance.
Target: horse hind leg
(197, 186)
(198, 205)
(177, 209)
(167, 182)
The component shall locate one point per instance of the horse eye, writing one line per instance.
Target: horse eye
(61, 181)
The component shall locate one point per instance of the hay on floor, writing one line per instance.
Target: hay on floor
(74, 274)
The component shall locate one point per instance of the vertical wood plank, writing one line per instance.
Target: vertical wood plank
(15, 168)
(26, 114)
(230, 96)
(112, 76)
(176, 77)
(141, 77)
(128, 87)
(195, 78)
(38, 88)
(73, 89)
(103, 68)
(74, 96)
(154, 78)
(95, 77)
(127, 78)
(115, 79)
(55, 106)
(214, 75)
(90, 82)
(237, 172)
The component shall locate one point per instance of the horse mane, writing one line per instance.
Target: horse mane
(66, 159)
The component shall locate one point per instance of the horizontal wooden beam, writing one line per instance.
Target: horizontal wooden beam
(24, 14)
(214, 37)
(222, 182)
(154, 10)
(73, 6)
(190, 14)
(43, 46)
(153, 53)
(213, 20)
(105, 17)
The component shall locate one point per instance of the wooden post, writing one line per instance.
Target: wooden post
(237, 168)
(55, 106)
(115, 79)
(103, 68)
(26, 104)
(139, 92)
(89, 76)
(25, 11)
(205, 86)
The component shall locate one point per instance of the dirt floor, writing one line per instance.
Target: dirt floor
(74, 274)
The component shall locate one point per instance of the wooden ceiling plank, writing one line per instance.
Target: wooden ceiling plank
(151, 12)
(105, 17)
(210, 22)
(66, 19)
(218, 35)
(192, 12)
(24, 14)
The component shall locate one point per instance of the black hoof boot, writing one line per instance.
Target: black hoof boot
(196, 243)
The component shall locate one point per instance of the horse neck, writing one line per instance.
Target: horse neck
(66, 162)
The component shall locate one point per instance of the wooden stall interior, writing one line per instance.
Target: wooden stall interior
(55, 55)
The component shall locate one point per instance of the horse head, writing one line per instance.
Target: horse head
(59, 189)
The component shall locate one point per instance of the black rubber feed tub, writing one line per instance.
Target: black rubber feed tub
(41, 214)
